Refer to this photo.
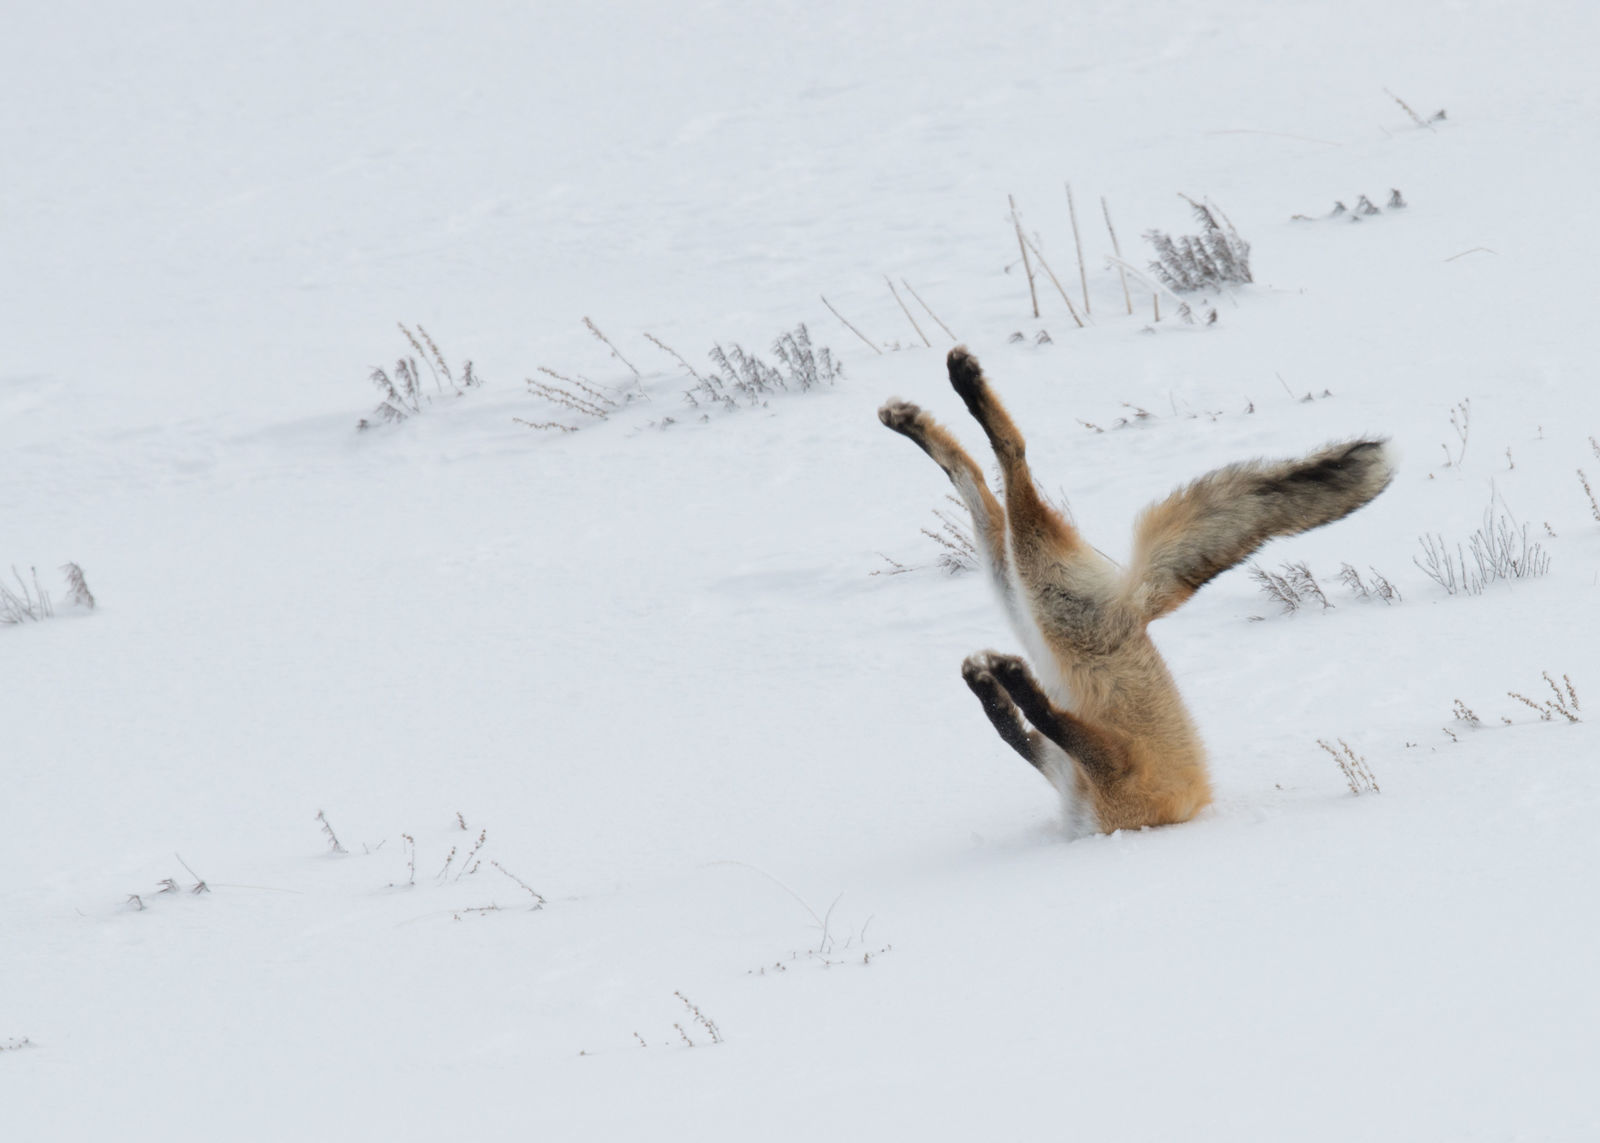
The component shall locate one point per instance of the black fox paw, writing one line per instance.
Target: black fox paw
(966, 375)
(1010, 671)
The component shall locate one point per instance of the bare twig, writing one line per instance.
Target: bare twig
(1415, 118)
(1022, 244)
(925, 306)
(1116, 248)
(1071, 309)
(594, 329)
(1083, 274)
(656, 341)
(333, 838)
(850, 327)
(907, 312)
(538, 898)
(199, 882)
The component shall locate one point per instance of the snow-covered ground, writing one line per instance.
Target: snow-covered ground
(665, 676)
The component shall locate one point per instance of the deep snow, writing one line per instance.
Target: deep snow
(654, 663)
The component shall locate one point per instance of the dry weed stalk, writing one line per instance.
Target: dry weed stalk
(1353, 767)
(1594, 508)
(468, 865)
(907, 312)
(1157, 288)
(925, 306)
(199, 885)
(1566, 705)
(1305, 584)
(1022, 245)
(576, 394)
(1277, 588)
(77, 587)
(959, 553)
(1083, 273)
(538, 898)
(700, 1018)
(25, 604)
(1214, 257)
(1460, 421)
(1294, 587)
(615, 352)
(1071, 309)
(851, 327)
(656, 341)
(431, 356)
(333, 838)
(742, 377)
(1381, 588)
(1116, 248)
(403, 395)
(1426, 124)
(1466, 714)
(1500, 550)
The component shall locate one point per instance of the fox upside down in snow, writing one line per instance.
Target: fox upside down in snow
(1109, 729)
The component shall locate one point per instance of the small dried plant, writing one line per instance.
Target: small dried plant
(404, 394)
(606, 341)
(77, 587)
(1563, 705)
(742, 378)
(1212, 258)
(1426, 124)
(1276, 588)
(27, 603)
(1292, 588)
(957, 552)
(1354, 767)
(1500, 550)
(1461, 422)
(575, 394)
(333, 838)
(538, 898)
(1594, 508)
(1380, 587)
(1465, 713)
(701, 1020)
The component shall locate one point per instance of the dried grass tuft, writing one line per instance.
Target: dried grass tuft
(1354, 767)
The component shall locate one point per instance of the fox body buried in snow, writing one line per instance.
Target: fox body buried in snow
(1103, 720)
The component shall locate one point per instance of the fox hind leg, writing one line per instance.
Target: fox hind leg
(1039, 536)
(988, 517)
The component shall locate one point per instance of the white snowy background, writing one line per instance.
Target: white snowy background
(650, 664)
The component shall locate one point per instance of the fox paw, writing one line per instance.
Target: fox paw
(980, 681)
(966, 376)
(903, 417)
(1012, 673)
(975, 669)
(990, 668)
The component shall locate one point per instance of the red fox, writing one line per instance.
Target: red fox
(1109, 729)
